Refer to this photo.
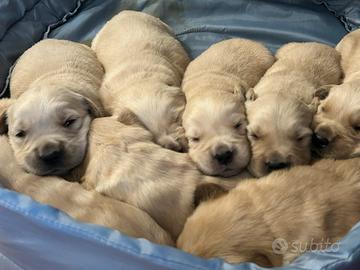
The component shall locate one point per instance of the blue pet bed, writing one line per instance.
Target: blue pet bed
(38, 237)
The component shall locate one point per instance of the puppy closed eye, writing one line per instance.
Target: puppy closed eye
(238, 125)
(69, 122)
(356, 128)
(254, 136)
(20, 134)
(302, 138)
(322, 109)
(194, 139)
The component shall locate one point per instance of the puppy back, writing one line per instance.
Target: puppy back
(148, 36)
(61, 62)
(320, 63)
(349, 48)
(241, 59)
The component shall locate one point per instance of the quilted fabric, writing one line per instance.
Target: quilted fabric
(34, 236)
(348, 11)
(197, 23)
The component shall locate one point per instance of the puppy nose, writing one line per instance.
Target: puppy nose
(50, 152)
(225, 157)
(272, 166)
(319, 141)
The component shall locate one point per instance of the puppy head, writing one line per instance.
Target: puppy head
(279, 132)
(48, 129)
(336, 124)
(215, 127)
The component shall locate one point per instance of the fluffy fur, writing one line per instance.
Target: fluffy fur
(307, 207)
(123, 162)
(144, 65)
(77, 202)
(215, 85)
(280, 118)
(56, 85)
(337, 121)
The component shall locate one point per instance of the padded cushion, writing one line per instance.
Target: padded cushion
(34, 236)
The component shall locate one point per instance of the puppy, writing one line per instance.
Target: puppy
(280, 117)
(144, 66)
(273, 220)
(337, 122)
(215, 85)
(80, 204)
(56, 85)
(123, 162)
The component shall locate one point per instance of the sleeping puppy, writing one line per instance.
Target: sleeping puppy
(337, 121)
(74, 200)
(56, 85)
(215, 85)
(144, 65)
(273, 220)
(123, 162)
(280, 117)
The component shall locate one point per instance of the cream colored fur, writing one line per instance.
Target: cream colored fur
(338, 117)
(73, 199)
(215, 85)
(144, 65)
(124, 163)
(307, 207)
(55, 83)
(280, 118)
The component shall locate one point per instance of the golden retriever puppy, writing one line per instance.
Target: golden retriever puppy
(215, 85)
(280, 117)
(56, 84)
(77, 202)
(337, 122)
(123, 162)
(273, 220)
(144, 65)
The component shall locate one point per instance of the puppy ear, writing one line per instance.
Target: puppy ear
(3, 123)
(95, 110)
(208, 191)
(127, 117)
(4, 106)
(323, 91)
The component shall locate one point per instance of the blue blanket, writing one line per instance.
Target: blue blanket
(36, 237)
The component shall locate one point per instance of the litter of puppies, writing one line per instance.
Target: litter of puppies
(159, 146)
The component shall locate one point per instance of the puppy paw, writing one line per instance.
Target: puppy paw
(167, 141)
(181, 138)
